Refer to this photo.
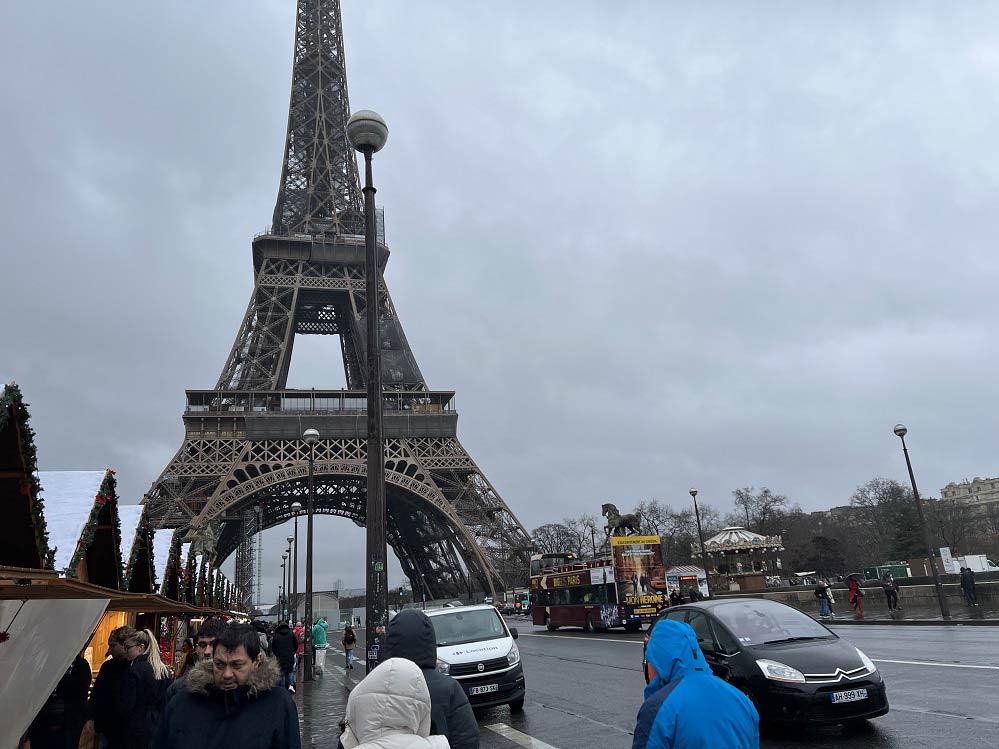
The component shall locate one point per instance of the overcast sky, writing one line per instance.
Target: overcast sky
(650, 245)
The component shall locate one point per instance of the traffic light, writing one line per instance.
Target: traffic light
(400, 592)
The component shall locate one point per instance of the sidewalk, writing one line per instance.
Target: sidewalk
(322, 703)
(976, 617)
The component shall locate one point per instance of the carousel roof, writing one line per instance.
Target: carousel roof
(69, 499)
(736, 538)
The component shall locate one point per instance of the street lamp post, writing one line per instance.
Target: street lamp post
(296, 507)
(284, 561)
(700, 537)
(367, 133)
(311, 437)
(292, 606)
(900, 432)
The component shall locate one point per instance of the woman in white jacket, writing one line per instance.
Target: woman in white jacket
(390, 709)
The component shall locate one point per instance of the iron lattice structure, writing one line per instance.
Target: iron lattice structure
(243, 462)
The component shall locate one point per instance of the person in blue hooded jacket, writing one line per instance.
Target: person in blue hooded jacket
(686, 706)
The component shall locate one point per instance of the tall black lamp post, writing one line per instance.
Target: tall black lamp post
(296, 507)
(900, 432)
(281, 597)
(700, 537)
(367, 133)
(291, 601)
(311, 437)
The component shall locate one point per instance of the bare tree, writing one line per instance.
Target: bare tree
(552, 538)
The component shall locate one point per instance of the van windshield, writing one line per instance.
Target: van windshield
(458, 627)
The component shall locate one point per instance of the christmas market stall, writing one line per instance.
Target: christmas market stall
(739, 559)
(23, 535)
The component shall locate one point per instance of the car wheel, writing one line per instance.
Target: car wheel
(632, 626)
(765, 727)
(517, 705)
(589, 624)
(548, 623)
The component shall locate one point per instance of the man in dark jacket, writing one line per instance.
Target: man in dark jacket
(103, 705)
(234, 701)
(283, 646)
(685, 704)
(411, 636)
(205, 639)
(968, 586)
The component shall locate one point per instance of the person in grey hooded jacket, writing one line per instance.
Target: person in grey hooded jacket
(411, 635)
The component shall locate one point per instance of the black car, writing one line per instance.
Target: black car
(793, 668)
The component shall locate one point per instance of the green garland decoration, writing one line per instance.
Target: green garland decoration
(106, 495)
(143, 535)
(14, 415)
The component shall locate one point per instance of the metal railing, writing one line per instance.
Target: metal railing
(204, 402)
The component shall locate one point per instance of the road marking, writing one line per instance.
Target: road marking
(581, 639)
(933, 663)
(924, 711)
(518, 738)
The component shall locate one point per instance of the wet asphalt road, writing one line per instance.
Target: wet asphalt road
(585, 691)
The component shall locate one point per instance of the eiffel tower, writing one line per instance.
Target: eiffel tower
(243, 462)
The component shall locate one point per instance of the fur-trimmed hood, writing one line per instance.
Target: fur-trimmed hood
(201, 679)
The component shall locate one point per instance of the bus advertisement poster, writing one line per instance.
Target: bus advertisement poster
(639, 572)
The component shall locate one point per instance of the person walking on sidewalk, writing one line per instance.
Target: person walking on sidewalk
(103, 706)
(234, 700)
(142, 702)
(299, 631)
(968, 586)
(284, 646)
(411, 636)
(390, 709)
(349, 642)
(822, 593)
(891, 590)
(319, 643)
(856, 595)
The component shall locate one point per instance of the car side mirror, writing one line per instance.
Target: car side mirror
(513, 633)
(705, 645)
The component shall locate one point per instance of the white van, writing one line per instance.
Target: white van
(475, 646)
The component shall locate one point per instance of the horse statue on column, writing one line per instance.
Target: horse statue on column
(618, 524)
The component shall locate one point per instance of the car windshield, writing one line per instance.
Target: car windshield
(758, 622)
(461, 626)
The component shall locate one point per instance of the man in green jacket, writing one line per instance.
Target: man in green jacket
(319, 643)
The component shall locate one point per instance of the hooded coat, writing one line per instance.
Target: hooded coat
(390, 709)
(283, 646)
(411, 635)
(686, 705)
(257, 715)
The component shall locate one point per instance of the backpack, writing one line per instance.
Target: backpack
(349, 638)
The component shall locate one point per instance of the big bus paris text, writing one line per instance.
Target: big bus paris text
(622, 590)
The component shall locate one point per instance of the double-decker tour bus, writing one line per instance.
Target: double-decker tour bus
(622, 590)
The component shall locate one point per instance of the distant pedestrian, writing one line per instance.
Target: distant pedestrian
(891, 590)
(856, 596)
(103, 706)
(349, 642)
(319, 644)
(685, 704)
(390, 709)
(144, 697)
(675, 598)
(968, 586)
(300, 651)
(822, 593)
(205, 643)
(235, 700)
(263, 636)
(284, 646)
(59, 723)
(411, 635)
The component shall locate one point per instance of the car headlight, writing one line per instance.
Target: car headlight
(780, 672)
(513, 657)
(868, 663)
(443, 666)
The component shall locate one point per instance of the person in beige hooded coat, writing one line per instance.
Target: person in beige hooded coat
(390, 709)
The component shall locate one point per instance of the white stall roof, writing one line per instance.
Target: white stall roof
(129, 516)
(161, 553)
(69, 498)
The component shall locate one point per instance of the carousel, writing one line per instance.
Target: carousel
(738, 559)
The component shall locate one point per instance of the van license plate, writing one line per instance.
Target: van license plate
(854, 695)
(484, 689)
